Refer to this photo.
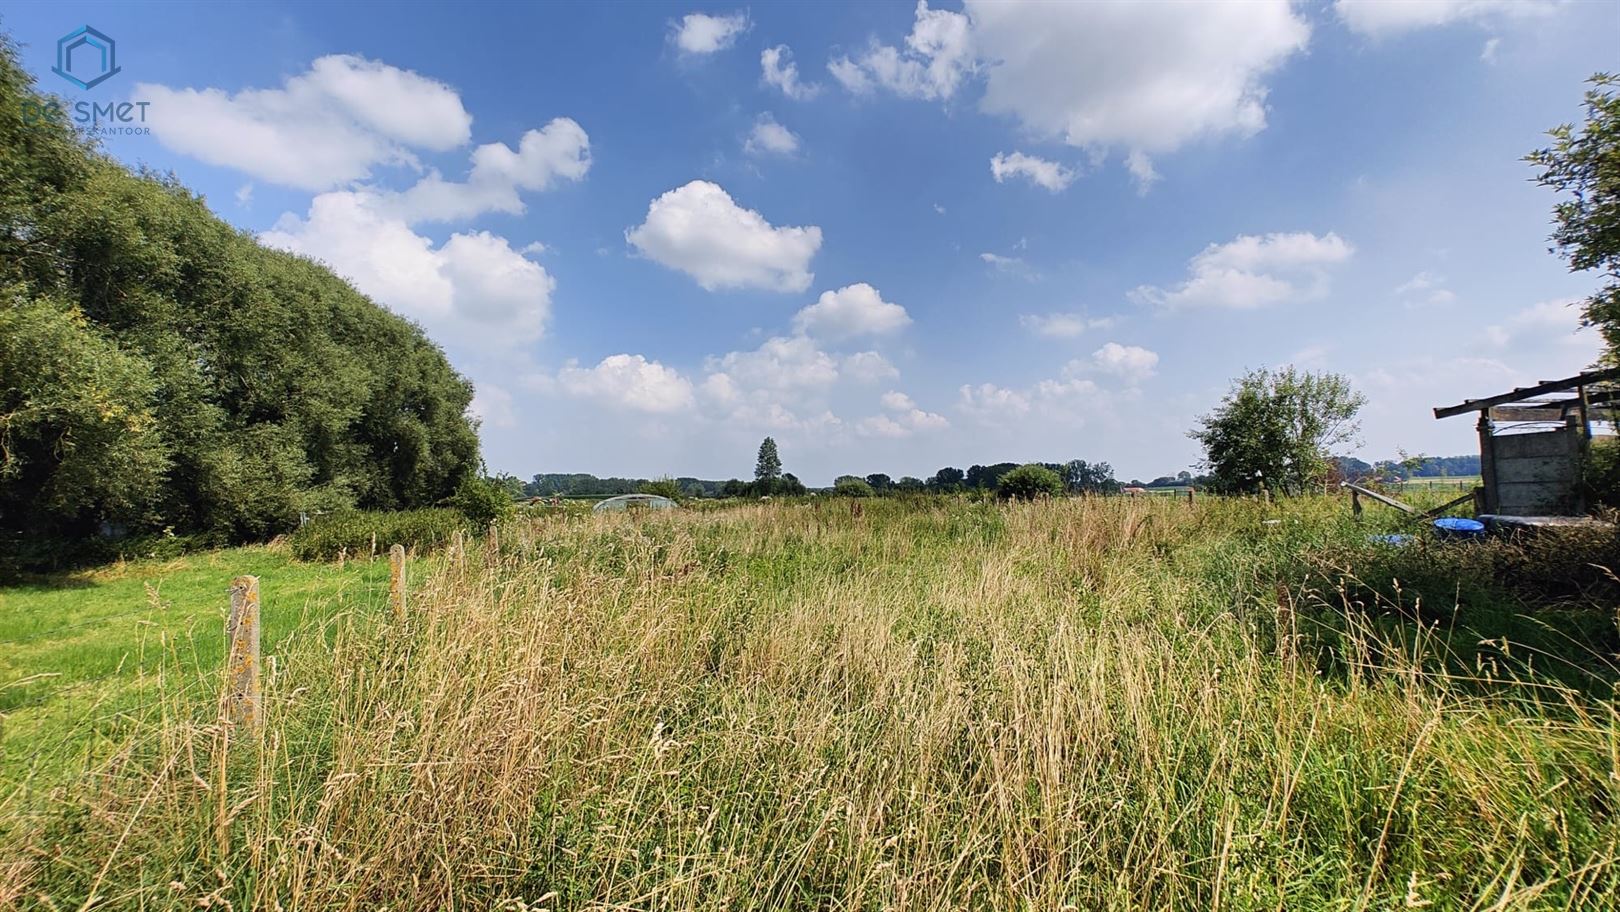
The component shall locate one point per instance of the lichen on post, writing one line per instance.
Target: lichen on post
(243, 695)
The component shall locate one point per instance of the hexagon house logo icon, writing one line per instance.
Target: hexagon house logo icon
(86, 57)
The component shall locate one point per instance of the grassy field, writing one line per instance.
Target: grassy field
(83, 656)
(1092, 704)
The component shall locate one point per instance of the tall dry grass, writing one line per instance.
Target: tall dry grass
(1089, 704)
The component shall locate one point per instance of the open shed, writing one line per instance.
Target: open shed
(1532, 441)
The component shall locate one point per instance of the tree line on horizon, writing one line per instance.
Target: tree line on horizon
(1077, 476)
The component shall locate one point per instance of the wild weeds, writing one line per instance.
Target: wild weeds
(1093, 703)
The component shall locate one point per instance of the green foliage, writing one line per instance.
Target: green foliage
(510, 484)
(1585, 164)
(768, 467)
(1080, 476)
(1274, 430)
(482, 501)
(161, 370)
(663, 487)
(851, 486)
(1600, 473)
(79, 442)
(1028, 482)
(354, 533)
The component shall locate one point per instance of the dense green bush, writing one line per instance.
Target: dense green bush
(356, 532)
(1028, 482)
(161, 372)
(850, 486)
(662, 487)
(1600, 474)
(482, 502)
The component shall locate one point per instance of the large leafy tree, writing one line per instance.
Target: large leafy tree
(1088, 477)
(1275, 430)
(1584, 164)
(160, 369)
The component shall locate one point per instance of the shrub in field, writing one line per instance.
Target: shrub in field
(1600, 474)
(663, 487)
(850, 486)
(355, 532)
(1028, 482)
(482, 502)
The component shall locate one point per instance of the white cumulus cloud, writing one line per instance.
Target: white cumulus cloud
(326, 127)
(1131, 363)
(472, 289)
(937, 56)
(630, 381)
(701, 33)
(854, 310)
(902, 418)
(1137, 76)
(779, 363)
(698, 229)
(560, 150)
(778, 69)
(1254, 271)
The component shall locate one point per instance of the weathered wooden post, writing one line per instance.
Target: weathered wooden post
(458, 550)
(1355, 504)
(243, 696)
(396, 580)
(492, 545)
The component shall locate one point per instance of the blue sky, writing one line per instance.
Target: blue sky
(893, 236)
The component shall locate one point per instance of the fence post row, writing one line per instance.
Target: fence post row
(243, 693)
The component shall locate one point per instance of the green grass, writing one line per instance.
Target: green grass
(1101, 703)
(81, 654)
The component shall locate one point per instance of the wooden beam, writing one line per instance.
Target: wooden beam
(1386, 501)
(1431, 514)
(1526, 413)
(1529, 392)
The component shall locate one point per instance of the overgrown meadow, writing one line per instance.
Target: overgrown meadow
(1090, 703)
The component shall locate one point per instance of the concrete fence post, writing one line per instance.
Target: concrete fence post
(243, 694)
(396, 581)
